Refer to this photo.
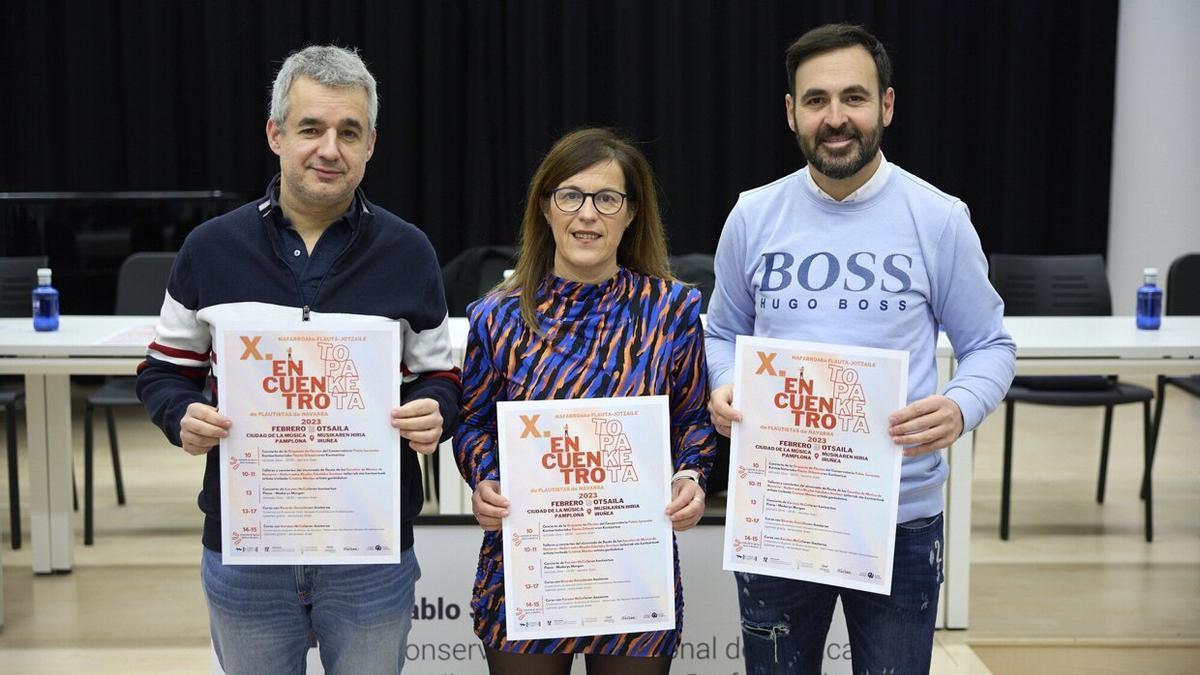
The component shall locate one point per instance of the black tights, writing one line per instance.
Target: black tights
(506, 663)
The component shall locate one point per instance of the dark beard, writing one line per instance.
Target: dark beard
(842, 166)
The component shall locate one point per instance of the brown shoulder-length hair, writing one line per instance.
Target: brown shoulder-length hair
(643, 246)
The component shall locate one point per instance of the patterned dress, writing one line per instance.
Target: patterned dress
(633, 335)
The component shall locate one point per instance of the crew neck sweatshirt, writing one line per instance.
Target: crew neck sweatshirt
(881, 272)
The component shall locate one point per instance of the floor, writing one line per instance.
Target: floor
(1075, 590)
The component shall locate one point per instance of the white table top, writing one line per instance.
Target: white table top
(1036, 337)
(1104, 337)
(79, 336)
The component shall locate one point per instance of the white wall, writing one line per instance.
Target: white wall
(1155, 207)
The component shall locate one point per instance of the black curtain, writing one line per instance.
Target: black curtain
(1005, 103)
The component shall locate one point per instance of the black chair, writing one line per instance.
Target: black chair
(1072, 285)
(697, 270)
(1183, 298)
(472, 273)
(18, 276)
(141, 285)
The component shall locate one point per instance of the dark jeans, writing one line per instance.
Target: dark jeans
(784, 622)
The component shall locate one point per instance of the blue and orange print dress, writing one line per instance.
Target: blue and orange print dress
(633, 335)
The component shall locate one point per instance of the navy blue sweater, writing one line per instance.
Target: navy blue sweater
(229, 270)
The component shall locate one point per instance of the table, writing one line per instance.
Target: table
(1055, 345)
(83, 345)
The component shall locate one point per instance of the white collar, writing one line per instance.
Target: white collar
(868, 189)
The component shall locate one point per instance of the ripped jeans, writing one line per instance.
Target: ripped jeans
(784, 622)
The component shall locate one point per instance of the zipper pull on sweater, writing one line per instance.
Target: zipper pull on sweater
(304, 316)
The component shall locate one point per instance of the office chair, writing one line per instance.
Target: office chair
(472, 273)
(696, 269)
(1183, 298)
(18, 276)
(1070, 285)
(141, 285)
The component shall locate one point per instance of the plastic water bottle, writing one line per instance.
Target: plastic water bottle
(45, 303)
(1149, 301)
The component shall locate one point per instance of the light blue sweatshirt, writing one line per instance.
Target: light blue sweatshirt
(880, 272)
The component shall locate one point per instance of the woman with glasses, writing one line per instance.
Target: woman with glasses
(590, 311)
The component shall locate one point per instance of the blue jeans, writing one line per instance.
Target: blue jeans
(784, 621)
(262, 617)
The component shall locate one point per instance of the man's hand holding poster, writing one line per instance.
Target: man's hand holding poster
(814, 475)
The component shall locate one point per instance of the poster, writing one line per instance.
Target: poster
(814, 475)
(311, 466)
(587, 543)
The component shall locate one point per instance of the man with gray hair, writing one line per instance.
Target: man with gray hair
(311, 247)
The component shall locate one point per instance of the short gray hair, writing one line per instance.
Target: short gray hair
(329, 65)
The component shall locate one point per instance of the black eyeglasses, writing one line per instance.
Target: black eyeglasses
(570, 200)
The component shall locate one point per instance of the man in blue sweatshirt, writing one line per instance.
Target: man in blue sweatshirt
(311, 248)
(855, 250)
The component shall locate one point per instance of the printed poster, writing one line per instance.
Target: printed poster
(814, 475)
(311, 466)
(587, 543)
